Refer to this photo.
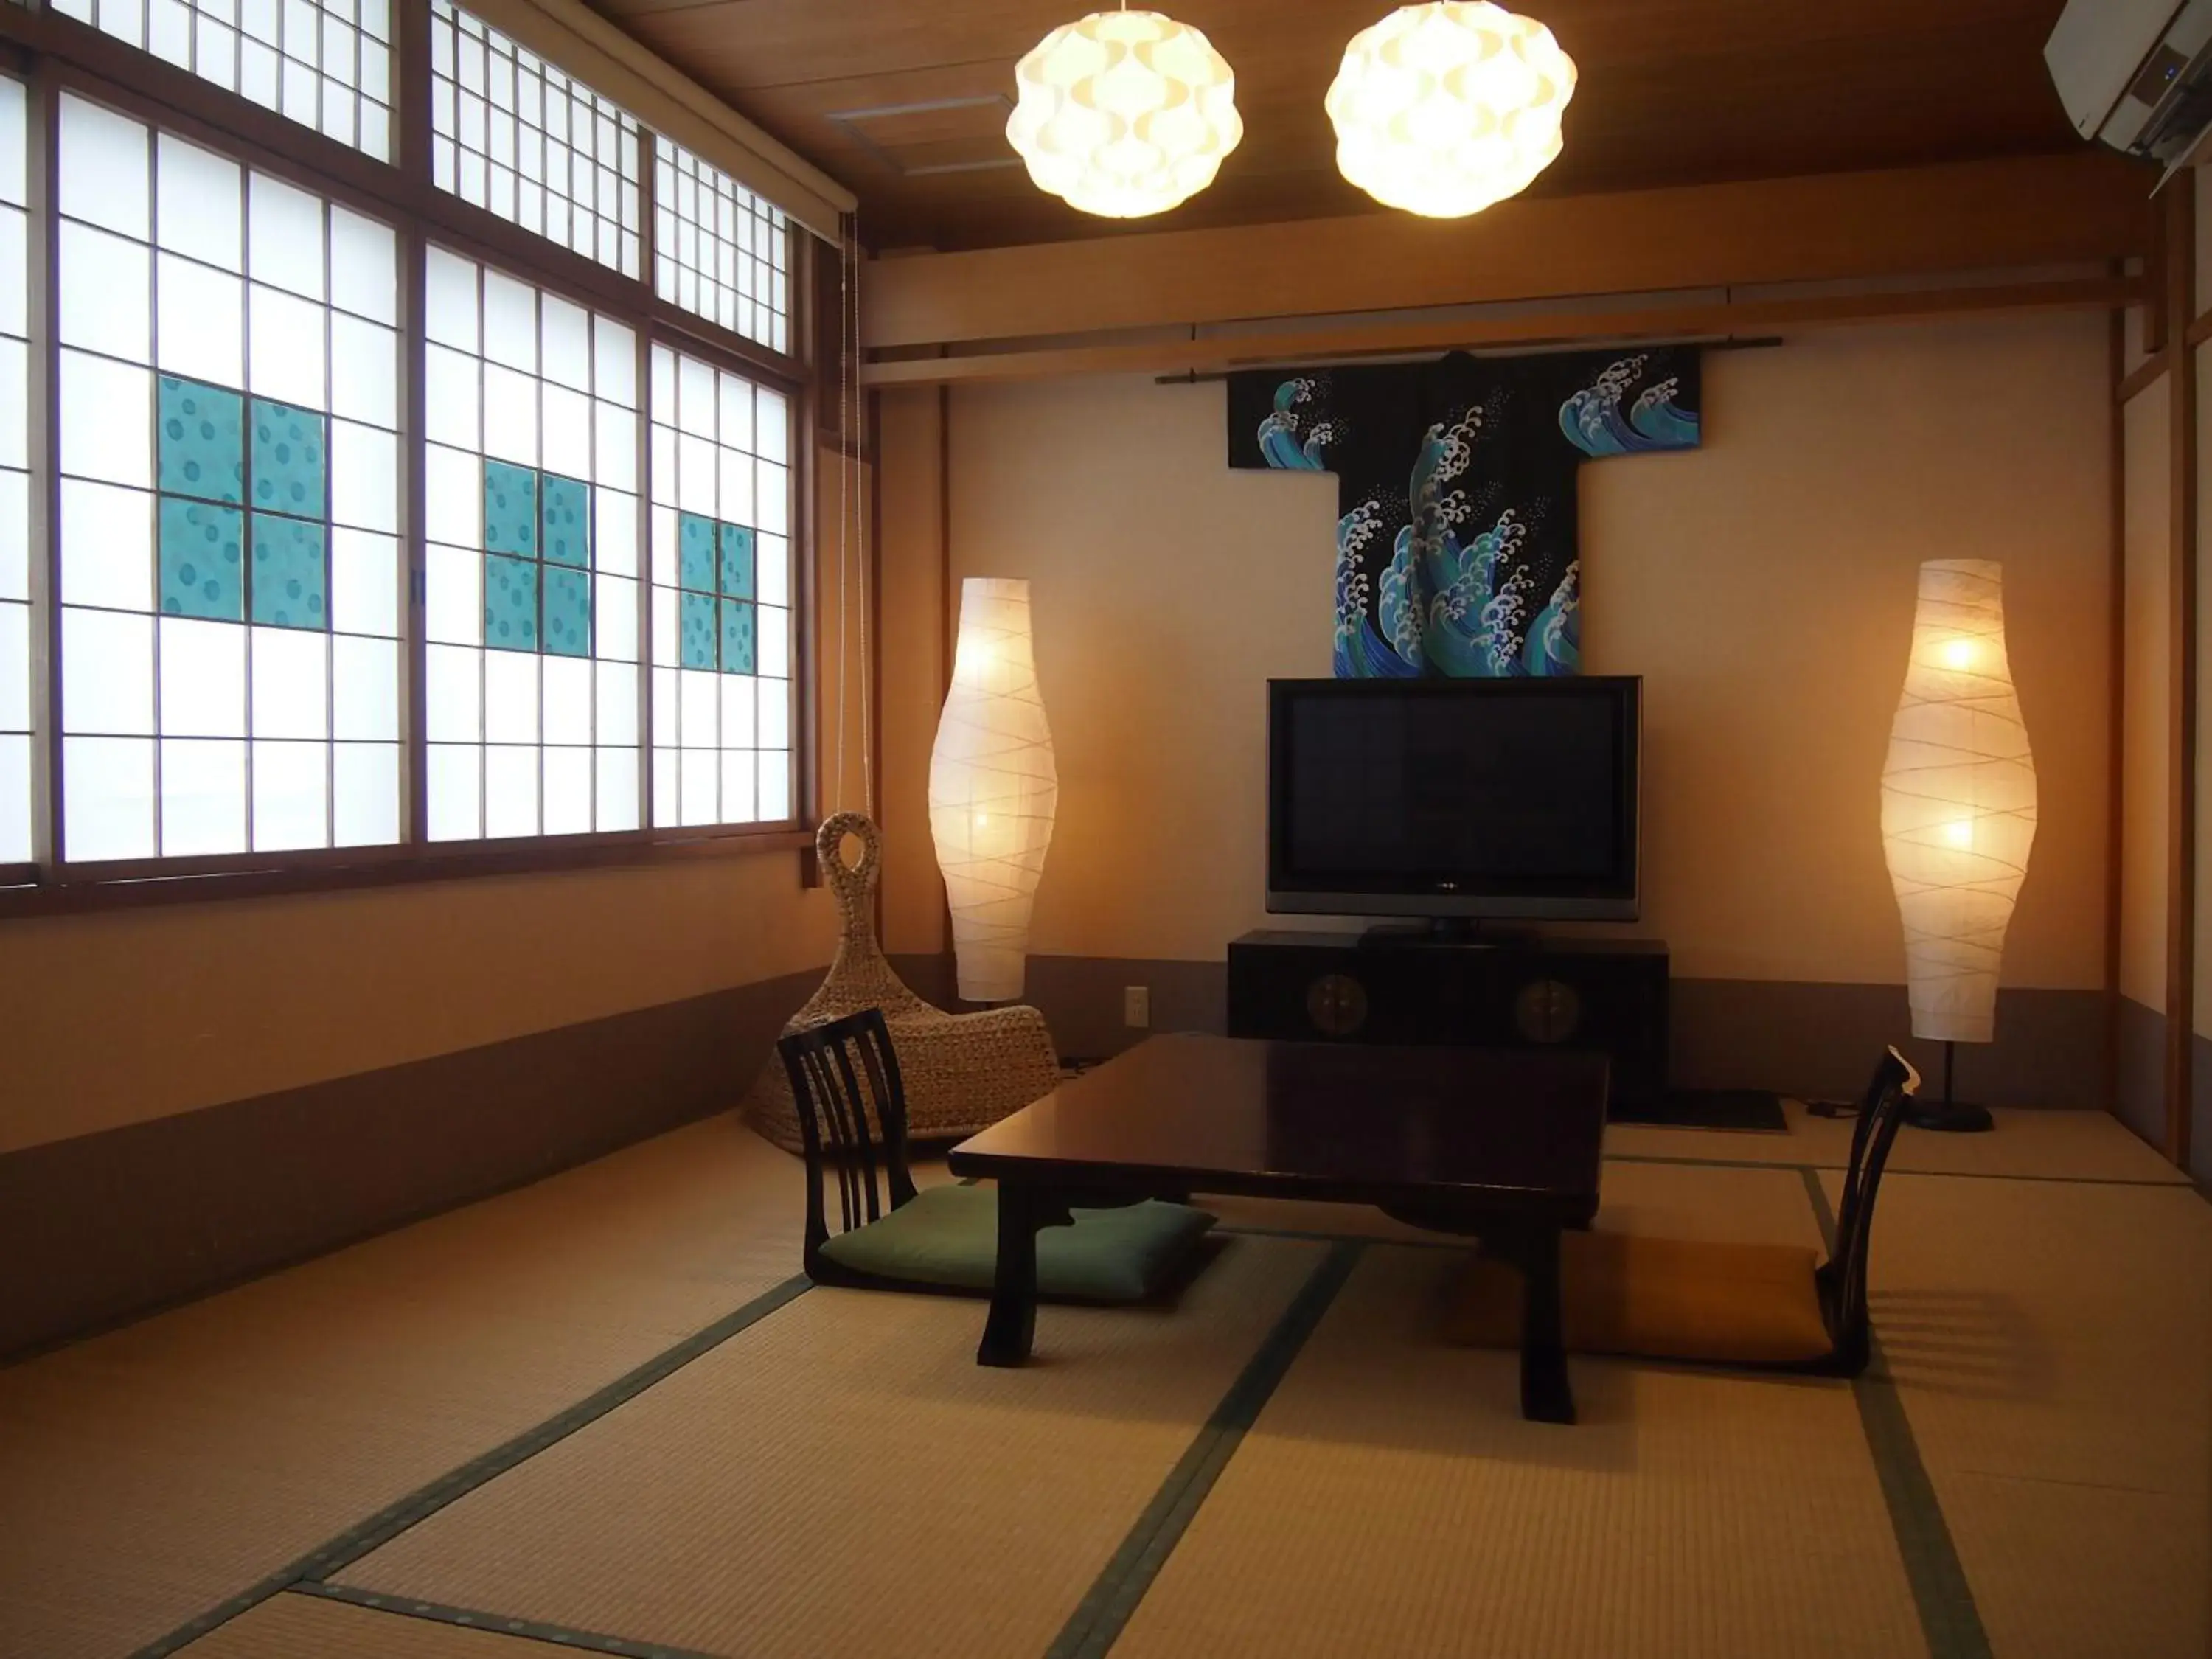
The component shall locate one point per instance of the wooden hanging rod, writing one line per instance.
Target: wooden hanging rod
(1195, 377)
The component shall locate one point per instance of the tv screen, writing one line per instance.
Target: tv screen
(1454, 798)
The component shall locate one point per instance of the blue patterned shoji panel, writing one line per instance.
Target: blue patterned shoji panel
(737, 637)
(201, 574)
(694, 550)
(510, 504)
(567, 612)
(736, 561)
(697, 632)
(291, 572)
(567, 519)
(510, 594)
(291, 460)
(202, 452)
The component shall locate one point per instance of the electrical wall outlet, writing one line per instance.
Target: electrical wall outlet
(1137, 1005)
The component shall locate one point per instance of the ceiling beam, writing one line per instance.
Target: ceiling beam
(2014, 213)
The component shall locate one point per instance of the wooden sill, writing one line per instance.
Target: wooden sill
(139, 884)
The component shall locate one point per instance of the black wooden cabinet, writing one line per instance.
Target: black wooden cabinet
(1604, 994)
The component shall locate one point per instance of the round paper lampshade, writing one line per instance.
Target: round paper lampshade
(1958, 801)
(992, 788)
(1124, 114)
(1442, 109)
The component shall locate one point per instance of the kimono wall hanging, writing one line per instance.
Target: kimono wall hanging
(1455, 533)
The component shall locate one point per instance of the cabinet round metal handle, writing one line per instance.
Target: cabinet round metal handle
(1337, 1005)
(1547, 1011)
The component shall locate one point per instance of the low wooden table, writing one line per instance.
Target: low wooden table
(1502, 1146)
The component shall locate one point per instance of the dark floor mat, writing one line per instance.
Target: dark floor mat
(1709, 1109)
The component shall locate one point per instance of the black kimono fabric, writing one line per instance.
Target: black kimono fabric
(1456, 543)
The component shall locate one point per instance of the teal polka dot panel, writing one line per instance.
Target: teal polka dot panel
(695, 637)
(291, 585)
(291, 460)
(202, 446)
(737, 562)
(510, 596)
(568, 508)
(694, 553)
(567, 611)
(201, 574)
(737, 637)
(510, 515)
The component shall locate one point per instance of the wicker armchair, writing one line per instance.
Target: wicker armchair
(962, 1071)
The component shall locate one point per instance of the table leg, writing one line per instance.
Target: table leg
(1546, 1395)
(1011, 1326)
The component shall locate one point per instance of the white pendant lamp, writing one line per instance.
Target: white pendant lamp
(1958, 801)
(1442, 109)
(992, 788)
(1124, 114)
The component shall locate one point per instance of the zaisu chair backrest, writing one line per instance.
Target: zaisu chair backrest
(852, 1119)
(1881, 1114)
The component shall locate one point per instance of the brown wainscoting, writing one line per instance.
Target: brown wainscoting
(1811, 1040)
(1081, 996)
(2200, 1138)
(1819, 1040)
(106, 1227)
(2139, 1077)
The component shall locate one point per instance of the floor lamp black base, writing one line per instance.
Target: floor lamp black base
(1949, 1116)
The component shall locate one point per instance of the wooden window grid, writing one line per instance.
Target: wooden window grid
(47, 52)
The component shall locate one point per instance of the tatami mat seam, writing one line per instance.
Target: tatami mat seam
(1949, 1620)
(407, 1606)
(1805, 1165)
(1099, 1618)
(387, 1523)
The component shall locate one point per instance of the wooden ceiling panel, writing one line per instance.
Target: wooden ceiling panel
(905, 104)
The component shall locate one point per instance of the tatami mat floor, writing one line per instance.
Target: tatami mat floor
(1286, 1463)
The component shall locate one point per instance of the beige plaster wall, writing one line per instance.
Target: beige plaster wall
(1764, 585)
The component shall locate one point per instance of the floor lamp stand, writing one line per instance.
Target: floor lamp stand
(1950, 1115)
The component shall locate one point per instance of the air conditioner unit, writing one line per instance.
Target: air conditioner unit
(2138, 74)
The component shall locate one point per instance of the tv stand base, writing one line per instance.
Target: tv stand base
(1457, 932)
(1486, 992)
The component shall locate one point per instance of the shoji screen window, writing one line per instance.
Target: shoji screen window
(16, 842)
(531, 523)
(719, 251)
(228, 447)
(721, 596)
(515, 135)
(324, 63)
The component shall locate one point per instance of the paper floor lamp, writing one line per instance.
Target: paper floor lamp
(1957, 813)
(992, 788)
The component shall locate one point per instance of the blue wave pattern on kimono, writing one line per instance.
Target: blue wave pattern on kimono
(1554, 643)
(1280, 441)
(1475, 592)
(1360, 652)
(1593, 422)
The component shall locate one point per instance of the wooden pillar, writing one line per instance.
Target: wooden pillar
(2116, 736)
(2180, 293)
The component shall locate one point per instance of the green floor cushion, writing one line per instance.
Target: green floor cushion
(949, 1237)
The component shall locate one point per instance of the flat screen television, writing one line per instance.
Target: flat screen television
(1454, 798)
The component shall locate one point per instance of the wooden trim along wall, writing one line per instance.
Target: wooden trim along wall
(2170, 296)
(2116, 461)
(2180, 286)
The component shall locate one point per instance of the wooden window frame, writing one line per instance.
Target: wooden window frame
(52, 54)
